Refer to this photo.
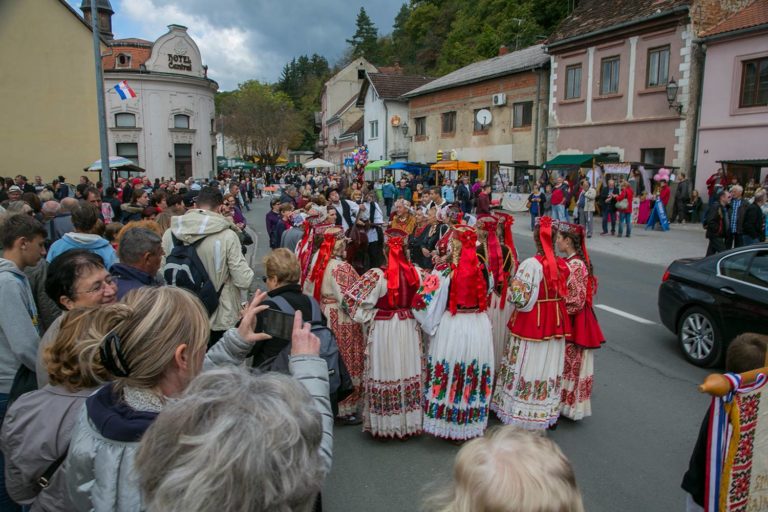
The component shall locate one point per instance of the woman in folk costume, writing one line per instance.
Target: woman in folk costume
(392, 383)
(460, 362)
(310, 242)
(329, 278)
(529, 383)
(585, 331)
(500, 260)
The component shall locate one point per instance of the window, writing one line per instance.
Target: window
(449, 122)
(652, 156)
(213, 125)
(421, 126)
(129, 150)
(609, 76)
(478, 126)
(658, 66)
(754, 83)
(181, 121)
(374, 129)
(123, 61)
(573, 82)
(125, 120)
(736, 266)
(758, 270)
(522, 114)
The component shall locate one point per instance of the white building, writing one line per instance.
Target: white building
(169, 127)
(386, 112)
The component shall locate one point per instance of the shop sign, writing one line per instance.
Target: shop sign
(179, 62)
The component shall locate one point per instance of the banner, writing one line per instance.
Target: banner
(658, 214)
(514, 202)
(617, 168)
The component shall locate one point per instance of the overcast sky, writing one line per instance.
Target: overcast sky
(245, 39)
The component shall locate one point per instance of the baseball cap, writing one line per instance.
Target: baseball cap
(136, 181)
(14, 188)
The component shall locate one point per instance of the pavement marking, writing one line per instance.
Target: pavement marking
(619, 312)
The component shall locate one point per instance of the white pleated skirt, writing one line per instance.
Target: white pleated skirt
(460, 370)
(578, 376)
(393, 381)
(529, 383)
(499, 318)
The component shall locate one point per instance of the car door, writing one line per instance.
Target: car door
(741, 286)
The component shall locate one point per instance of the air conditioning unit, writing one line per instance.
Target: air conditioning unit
(499, 99)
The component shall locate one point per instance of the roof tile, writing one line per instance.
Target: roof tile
(390, 86)
(751, 16)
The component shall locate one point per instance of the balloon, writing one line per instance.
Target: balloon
(657, 177)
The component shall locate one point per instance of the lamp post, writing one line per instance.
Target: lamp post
(672, 90)
(404, 127)
(106, 176)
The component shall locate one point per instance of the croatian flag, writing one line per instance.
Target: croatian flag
(124, 90)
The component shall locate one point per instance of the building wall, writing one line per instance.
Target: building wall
(374, 111)
(727, 132)
(47, 91)
(501, 142)
(634, 118)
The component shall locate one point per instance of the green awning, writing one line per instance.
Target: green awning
(377, 164)
(572, 161)
(755, 162)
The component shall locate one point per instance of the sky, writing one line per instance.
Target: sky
(251, 39)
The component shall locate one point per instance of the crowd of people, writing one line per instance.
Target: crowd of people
(125, 340)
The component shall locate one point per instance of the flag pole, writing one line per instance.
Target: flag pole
(106, 176)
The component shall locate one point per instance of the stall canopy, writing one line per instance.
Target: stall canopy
(409, 167)
(377, 164)
(116, 162)
(455, 165)
(579, 160)
(318, 163)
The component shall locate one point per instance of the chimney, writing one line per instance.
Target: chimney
(503, 50)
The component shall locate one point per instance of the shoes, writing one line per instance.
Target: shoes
(603, 234)
(627, 236)
(613, 233)
(589, 236)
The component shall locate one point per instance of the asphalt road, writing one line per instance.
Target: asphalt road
(630, 455)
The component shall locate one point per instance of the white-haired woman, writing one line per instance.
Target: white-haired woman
(235, 441)
(509, 469)
(153, 353)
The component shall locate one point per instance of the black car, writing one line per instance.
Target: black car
(709, 301)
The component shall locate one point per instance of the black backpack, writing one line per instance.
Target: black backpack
(338, 376)
(183, 268)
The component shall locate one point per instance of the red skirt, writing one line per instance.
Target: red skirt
(547, 320)
(585, 331)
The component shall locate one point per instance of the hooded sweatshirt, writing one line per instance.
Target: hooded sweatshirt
(91, 243)
(19, 334)
(222, 257)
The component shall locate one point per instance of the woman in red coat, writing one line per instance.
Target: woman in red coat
(586, 334)
(625, 214)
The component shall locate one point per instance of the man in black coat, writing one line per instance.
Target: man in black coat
(464, 195)
(718, 223)
(752, 225)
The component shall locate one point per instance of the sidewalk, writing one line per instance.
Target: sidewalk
(654, 247)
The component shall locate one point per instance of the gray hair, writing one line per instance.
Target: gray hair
(50, 208)
(69, 204)
(235, 441)
(736, 188)
(135, 243)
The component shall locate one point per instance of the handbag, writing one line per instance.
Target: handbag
(622, 205)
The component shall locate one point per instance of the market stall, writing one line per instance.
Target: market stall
(452, 169)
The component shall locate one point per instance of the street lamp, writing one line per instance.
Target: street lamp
(672, 90)
(404, 127)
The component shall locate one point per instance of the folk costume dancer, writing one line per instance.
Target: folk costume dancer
(460, 362)
(330, 277)
(529, 384)
(586, 335)
(499, 259)
(393, 378)
(310, 242)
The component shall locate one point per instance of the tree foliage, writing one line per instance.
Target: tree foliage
(260, 120)
(302, 80)
(364, 42)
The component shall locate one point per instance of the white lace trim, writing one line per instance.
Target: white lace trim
(143, 400)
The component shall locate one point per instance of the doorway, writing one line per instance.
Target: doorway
(183, 161)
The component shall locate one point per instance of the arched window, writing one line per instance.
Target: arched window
(123, 60)
(125, 120)
(181, 121)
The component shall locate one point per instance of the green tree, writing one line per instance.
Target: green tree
(364, 42)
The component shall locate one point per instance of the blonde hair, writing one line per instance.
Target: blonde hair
(157, 320)
(282, 264)
(510, 470)
(80, 331)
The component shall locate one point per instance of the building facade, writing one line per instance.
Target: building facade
(512, 87)
(169, 128)
(47, 90)
(733, 124)
(386, 114)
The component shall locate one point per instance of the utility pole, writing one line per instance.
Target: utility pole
(106, 174)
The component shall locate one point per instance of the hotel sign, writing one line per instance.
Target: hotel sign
(179, 62)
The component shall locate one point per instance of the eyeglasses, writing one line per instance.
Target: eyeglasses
(99, 287)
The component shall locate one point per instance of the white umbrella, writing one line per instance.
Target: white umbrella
(318, 162)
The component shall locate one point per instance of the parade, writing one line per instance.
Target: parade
(505, 257)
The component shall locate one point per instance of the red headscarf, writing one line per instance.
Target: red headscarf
(397, 266)
(304, 250)
(468, 285)
(592, 280)
(323, 257)
(551, 271)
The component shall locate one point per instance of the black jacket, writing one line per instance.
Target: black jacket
(292, 293)
(717, 223)
(752, 222)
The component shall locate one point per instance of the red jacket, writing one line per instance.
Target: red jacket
(626, 194)
(712, 182)
(664, 195)
(483, 204)
(557, 197)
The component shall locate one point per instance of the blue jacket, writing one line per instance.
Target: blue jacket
(130, 278)
(388, 191)
(447, 191)
(92, 243)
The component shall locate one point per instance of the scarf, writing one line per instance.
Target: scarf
(323, 257)
(398, 265)
(468, 285)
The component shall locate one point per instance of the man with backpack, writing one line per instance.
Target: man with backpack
(204, 255)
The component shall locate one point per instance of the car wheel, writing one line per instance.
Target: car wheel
(699, 338)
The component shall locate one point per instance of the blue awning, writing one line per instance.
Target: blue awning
(411, 167)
